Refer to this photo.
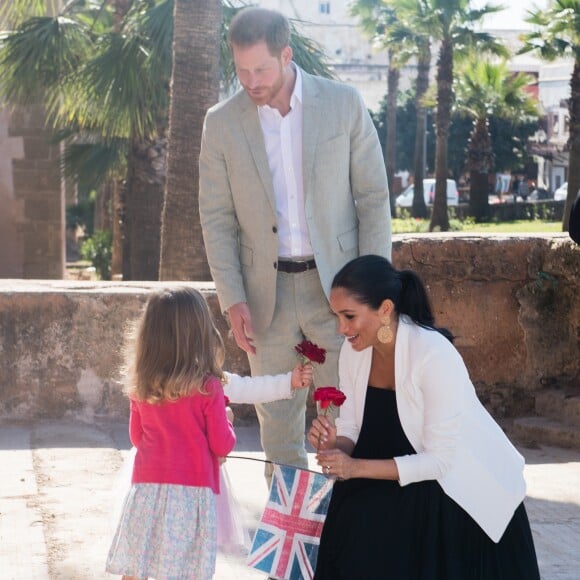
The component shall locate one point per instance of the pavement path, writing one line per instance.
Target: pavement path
(57, 500)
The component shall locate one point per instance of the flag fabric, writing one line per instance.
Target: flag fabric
(285, 544)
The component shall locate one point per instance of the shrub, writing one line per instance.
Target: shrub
(98, 249)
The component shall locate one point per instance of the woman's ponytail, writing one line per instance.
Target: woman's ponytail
(415, 303)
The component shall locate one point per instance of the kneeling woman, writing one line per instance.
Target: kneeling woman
(429, 487)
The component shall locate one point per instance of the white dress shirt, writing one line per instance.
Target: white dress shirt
(283, 140)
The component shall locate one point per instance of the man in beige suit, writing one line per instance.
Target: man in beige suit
(292, 186)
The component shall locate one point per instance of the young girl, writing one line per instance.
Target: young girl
(178, 424)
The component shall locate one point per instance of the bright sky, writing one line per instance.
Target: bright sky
(513, 16)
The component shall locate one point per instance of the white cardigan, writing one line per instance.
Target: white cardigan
(456, 440)
(261, 389)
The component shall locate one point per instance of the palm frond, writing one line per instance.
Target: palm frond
(90, 163)
(308, 54)
(484, 89)
(39, 54)
(15, 11)
(116, 90)
(556, 31)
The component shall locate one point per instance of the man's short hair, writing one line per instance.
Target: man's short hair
(253, 25)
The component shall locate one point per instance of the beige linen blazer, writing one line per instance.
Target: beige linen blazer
(345, 190)
(457, 441)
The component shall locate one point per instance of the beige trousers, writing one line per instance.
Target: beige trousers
(302, 311)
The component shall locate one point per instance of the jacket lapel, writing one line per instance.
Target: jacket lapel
(310, 124)
(255, 137)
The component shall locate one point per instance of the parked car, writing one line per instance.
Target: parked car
(562, 192)
(539, 194)
(405, 199)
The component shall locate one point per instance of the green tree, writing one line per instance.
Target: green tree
(194, 88)
(396, 26)
(484, 88)
(407, 122)
(450, 23)
(557, 34)
(509, 138)
(99, 70)
(379, 23)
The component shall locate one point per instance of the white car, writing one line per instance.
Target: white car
(405, 199)
(562, 192)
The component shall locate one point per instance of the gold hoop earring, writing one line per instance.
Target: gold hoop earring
(384, 333)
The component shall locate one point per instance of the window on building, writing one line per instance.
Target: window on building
(324, 7)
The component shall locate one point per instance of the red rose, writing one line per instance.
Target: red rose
(329, 396)
(310, 352)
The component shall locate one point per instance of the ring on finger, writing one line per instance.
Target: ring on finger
(327, 469)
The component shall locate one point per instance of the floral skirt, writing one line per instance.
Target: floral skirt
(166, 532)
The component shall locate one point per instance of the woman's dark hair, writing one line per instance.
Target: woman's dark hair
(371, 279)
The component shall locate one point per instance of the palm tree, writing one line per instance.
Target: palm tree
(196, 39)
(411, 33)
(558, 35)
(484, 89)
(379, 22)
(451, 24)
(99, 73)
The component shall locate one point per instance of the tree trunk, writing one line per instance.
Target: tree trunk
(419, 208)
(144, 202)
(480, 162)
(439, 218)
(120, 251)
(391, 140)
(194, 88)
(573, 145)
(118, 227)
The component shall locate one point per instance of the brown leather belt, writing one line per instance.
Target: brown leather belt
(296, 266)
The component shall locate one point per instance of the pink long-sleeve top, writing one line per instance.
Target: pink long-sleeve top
(180, 442)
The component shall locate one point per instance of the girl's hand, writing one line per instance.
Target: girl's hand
(230, 415)
(322, 433)
(301, 376)
(336, 463)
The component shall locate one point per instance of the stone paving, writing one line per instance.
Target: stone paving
(57, 500)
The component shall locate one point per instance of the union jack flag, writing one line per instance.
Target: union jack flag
(286, 542)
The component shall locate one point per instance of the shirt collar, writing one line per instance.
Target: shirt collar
(297, 92)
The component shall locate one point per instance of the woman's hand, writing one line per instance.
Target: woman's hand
(322, 433)
(336, 463)
(301, 376)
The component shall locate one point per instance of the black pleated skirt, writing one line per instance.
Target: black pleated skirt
(380, 530)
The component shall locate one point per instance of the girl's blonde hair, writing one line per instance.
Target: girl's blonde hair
(174, 347)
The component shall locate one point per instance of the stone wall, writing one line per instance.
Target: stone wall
(32, 218)
(511, 301)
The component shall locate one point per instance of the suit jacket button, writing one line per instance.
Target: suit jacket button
(275, 265)
(274, 229)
